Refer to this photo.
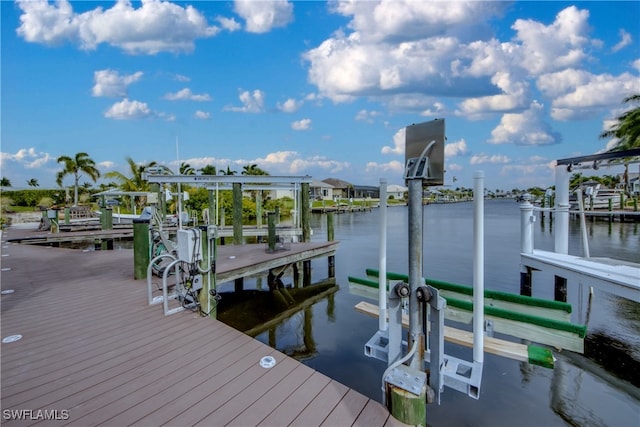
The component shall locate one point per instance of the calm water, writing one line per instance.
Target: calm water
(576, 392)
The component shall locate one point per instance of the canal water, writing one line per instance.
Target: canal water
(596, 391)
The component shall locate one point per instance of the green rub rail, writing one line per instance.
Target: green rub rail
(468, 290)
(558, 325)
(540, 356)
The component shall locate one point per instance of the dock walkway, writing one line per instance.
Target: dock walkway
(93, 352)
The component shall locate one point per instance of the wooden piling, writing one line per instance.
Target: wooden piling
(271, 236)
(407, 407)
(141, 248)
(331, 260)
(237, 213)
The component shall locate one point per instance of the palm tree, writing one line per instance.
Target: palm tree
(5, 182)
(228, 171)
(186, 169)
(253, 170)
(627, 127)
(626, 131)
(209, 170)
(81, 163)
(134, 182)
(33, 182)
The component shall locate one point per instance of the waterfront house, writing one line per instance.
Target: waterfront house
(341, 189)
(366, 192)
(397, 192)
(321, 190)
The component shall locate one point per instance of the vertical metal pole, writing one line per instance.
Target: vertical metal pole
(382, 278)
(415, 270)
(583, 224)
(561, 242)
(478, 267)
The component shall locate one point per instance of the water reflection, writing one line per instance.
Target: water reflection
(329, 335)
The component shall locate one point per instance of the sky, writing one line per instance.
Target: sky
(324, 89)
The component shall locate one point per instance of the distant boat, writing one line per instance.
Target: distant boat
(596, 197)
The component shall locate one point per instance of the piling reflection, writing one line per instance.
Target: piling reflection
(285, 315)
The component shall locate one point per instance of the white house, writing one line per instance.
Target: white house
(397, 191)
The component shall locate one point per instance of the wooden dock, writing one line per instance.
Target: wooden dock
(92, 352)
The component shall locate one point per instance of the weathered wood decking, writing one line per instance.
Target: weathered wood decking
(93, 348)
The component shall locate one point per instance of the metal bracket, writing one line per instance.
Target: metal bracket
(408, 379)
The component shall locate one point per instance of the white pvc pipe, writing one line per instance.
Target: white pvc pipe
(478, 267)
(561, 234)
(526, 225)
(583, 224)
(382, 277)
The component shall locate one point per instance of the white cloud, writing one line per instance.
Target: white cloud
(290, 162)
(262, 16)
(107, 164)
(28, 158)
(483, 158)
(126, 109)
(290, 105)
(181, 78)
(398, 143)
(320, 163)
(111, 84)
(228, 24)
(625, 40)
(394, 166)
(202, 115)
(515, 95)
(252, 102)
(527, 128)
(455, 149)
(590, 94)
(559, 45)
(186, 94)
(367, 116)
(303, 124)
(155, 26)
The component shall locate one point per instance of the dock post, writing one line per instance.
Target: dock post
(106, 219)
(237, 213)
(67, 216)
(141, 248)
(526, 242)
(305, 211)
(271, 231)
(331, 260)
(259, 209)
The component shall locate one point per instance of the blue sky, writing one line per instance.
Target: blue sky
(313, 88)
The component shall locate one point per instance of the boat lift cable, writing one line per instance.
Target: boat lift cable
(409, 355)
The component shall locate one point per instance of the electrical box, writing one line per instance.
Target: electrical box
(189, 246)
(424, 152)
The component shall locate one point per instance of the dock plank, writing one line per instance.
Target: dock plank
(93, 347)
